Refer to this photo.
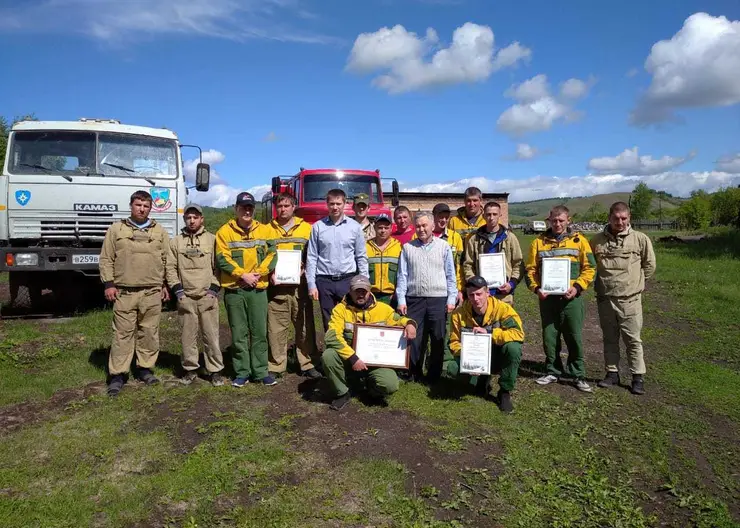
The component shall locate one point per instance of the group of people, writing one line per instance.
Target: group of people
(421, 274)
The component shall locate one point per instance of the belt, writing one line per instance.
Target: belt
(136, 288)
(337, 277)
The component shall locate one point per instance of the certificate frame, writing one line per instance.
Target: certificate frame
(554, 285)
(292, 279)
(466, 367)
(363, 334)
(482, 257)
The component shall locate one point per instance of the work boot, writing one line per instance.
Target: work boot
(340, 401)
(189, 377)
(638, 386)
(611, 379)
(217, 380)
(504, 401)
(311, 373)
(115, 385)
(147, 377)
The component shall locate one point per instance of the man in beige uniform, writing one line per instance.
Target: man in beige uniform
(132, 268)
(191, 273)
(624, 259)
(360, 206)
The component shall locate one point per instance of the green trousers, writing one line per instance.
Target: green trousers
(450, 366)
(564, 317)
(247, 314)
(385, 298)
(504, 362)
(380, 382)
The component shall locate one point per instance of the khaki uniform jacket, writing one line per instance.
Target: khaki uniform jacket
(134, 257)
(191, 263)
(478, 243)
(623, 262)
(368, 229)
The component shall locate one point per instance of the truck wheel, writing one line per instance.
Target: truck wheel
(25, 294)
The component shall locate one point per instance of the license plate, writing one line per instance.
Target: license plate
(85, 259)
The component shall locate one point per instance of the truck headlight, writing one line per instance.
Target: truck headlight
(26, 259)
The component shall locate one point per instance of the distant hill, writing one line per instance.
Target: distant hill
(520, 212)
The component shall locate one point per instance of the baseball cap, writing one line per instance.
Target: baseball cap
(193, 206)
(362, 198)
(441, 208)
(382, 217)
(244, 198)
(476, 281)
(359, 282)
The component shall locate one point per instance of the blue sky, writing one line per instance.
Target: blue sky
(439, 94)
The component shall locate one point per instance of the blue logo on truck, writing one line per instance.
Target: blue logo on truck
(22, 196)
(160, 198)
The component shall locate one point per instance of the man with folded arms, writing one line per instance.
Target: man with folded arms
(482, 313)
(340, 359)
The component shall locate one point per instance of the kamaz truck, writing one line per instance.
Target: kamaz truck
(64, 183)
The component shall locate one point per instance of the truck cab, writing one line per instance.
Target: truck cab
(64, 183)
(309, 187)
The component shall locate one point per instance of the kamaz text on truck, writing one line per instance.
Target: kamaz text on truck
(309, 187)
(65, 182)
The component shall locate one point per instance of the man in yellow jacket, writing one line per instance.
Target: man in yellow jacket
(132, 268)
(470, 217)
(483, 313)
(383, 252)
(562, 314)
(243, 262)
(340, 359)
(289, 304)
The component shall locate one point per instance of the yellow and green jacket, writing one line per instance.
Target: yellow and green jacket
(500, 319)
(296, 238)
(573, 245)
(383, 265)
(239, 252)
(460, 224)
(345, 315)
(455, 240)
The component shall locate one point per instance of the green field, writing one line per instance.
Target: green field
(437, 456)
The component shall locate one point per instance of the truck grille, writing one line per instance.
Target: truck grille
(71, 226)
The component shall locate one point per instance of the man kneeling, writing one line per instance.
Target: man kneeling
(482, 313)
(339, 359)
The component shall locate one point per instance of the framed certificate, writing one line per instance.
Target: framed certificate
(381, 346)
(555, 275)
(475, 357)
(288, 267)
(492, 267)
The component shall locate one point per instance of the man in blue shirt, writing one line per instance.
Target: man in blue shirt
(426, 290)
(336, 253)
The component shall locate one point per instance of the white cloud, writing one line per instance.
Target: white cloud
(729, 164)
(697, 67)
(115, 21)
(403, 56)
(632, 72)
(220, 193)
(537, 110)
(631, 163)
(526, 152)
(538, 187)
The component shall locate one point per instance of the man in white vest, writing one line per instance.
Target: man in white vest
(426, 289)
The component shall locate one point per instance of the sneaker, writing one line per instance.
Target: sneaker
(611, 379)
(504, 401)
(582, 386)
(217, 380)
(189, 377)
(638, 384)
(311, 373)
(147, 377)
(115, 385)
(546, 380)
(340, 401)
(239, 382)
(269, 381)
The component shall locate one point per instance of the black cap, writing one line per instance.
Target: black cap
(476, 281)
(440, 208)
(244, 198)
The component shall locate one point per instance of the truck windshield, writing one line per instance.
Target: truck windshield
(74, 154)
(315, 186)
(65, 153)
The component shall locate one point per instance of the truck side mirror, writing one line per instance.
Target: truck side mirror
(395, 201)
(202, 176)
(276, 184)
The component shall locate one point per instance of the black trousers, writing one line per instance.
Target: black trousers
(430, 314)
(331, 293)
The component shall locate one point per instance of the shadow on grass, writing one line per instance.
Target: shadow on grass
(166, 360)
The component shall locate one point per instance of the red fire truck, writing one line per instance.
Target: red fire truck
(310, 186)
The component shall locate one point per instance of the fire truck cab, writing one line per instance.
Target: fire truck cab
(309, 187)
